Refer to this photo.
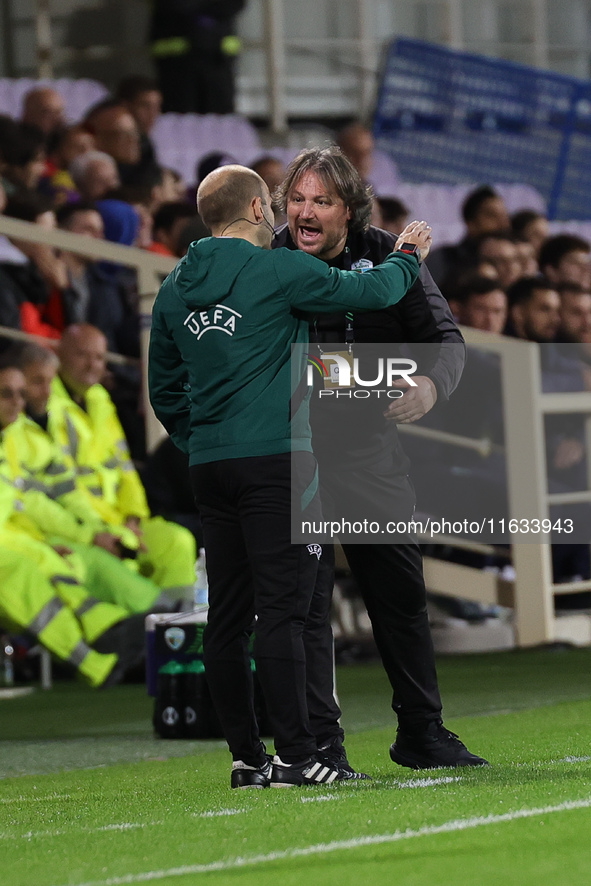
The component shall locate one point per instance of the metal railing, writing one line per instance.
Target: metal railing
(531, 594)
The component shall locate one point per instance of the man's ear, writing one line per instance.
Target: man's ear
(256, 206)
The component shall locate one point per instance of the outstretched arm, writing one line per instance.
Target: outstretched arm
(310, 285)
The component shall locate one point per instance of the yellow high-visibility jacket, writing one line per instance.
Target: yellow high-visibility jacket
(95, 445)
(93, 442)
(30, 602)
(25, 506)
(36, 458)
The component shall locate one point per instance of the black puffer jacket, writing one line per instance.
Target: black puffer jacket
(358, 430)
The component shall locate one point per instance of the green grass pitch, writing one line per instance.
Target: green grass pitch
(89, 798)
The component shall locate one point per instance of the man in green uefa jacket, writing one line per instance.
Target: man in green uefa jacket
(221, 378)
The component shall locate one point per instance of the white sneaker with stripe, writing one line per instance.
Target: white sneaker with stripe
(307, 772)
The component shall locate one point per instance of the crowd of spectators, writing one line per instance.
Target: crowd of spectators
(510, 277)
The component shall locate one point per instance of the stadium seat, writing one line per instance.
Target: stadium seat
(182, 140)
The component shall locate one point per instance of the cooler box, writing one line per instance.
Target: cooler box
(176, 678)
(173, 637)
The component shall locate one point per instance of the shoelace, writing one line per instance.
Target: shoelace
(451, 736)
(334, 756)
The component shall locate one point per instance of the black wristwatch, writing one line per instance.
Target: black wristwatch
(411, 249)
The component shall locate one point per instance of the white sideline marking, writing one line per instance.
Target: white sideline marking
(124, 826)
(554, 762)
(429, 782)
(214, 814)
(321, 799)
(16, 692)
(448, 827)
(35, 799)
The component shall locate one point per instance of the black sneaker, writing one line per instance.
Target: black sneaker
(432, 748)
(308, 772)
(245, 776)
(332, 753)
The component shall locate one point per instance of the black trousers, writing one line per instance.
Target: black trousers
(390, 578)
(245, 507)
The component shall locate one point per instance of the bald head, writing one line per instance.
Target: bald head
(44, 107)
(82, 352)
(226, 194)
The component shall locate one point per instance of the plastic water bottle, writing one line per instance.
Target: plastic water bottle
(168, 708)
(201, 585)
(194, 710)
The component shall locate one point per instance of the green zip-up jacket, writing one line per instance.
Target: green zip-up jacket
(223, 326)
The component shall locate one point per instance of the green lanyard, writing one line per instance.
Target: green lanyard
(349, 331)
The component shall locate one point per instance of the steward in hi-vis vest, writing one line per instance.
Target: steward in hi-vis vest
(84, 423)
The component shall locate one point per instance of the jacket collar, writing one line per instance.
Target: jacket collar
(355, 248)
